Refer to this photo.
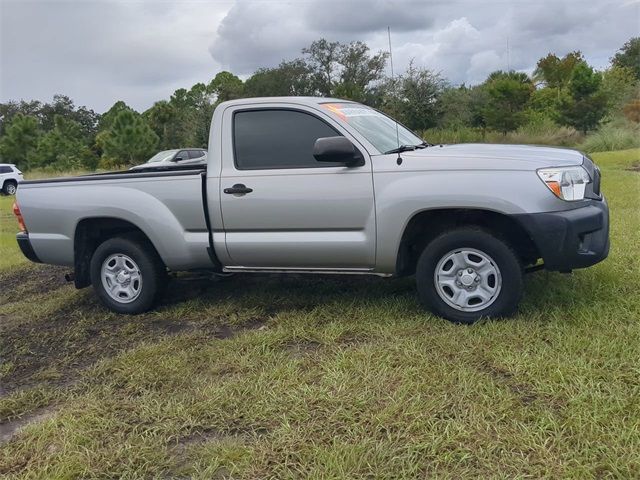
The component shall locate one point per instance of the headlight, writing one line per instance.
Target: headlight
(567, 183)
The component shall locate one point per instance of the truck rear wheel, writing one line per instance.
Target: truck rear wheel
(127, 274)
(466, 274)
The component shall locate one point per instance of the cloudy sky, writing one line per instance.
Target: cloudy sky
(140, 51)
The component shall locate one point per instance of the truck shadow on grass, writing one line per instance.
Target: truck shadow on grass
(51, 333)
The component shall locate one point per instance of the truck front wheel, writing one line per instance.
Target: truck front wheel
(127, 274)
(467, 273)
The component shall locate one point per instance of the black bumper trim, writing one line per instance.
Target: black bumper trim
(570, 239)
(27, 249)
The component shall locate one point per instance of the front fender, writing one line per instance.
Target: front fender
(402, 195)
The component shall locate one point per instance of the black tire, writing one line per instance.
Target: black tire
(509, 266)
(151, 270)
(10, 187)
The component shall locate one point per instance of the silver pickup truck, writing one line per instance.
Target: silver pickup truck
(318, 185)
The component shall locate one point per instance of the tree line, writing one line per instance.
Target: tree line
(561, 91)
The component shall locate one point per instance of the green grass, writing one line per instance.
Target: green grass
(306, 377)
(10, 255)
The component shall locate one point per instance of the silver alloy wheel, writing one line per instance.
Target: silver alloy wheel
(121, 278)
(467, 279)
(11, 189)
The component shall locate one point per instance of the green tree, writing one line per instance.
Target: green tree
(543, 105)
(322, 58)
(358, 70)
(180, 131)
(64, 147)
(130, 140)
(160, 118)
(619, 86)
(107, 118)
(12, 108)
(414, 98)
(629, 56)
(288, 78)
(63, 106)
(455, 104)
(200, 109)
(346, 70)
(507, 95)
(585, 104)
(20, 140)
(226, 86)
(555, 72)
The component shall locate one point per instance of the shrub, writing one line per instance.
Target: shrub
(544, 132)
(612, 137)
(632, 110)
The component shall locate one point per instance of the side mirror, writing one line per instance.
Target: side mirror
(177, 159)
(337, 150)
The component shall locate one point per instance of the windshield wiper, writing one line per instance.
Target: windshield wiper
(407, 148)
(401, 148)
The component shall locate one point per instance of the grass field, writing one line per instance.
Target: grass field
(306, 377)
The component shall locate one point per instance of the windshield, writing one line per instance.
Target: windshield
(162, 156)
(376, 127)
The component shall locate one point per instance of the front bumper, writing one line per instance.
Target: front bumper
(570, 239)
(25, 245)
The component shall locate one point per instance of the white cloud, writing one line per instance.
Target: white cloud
(105, 50)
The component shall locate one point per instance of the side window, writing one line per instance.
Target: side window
(181, 155)
(265, 139)
(5, 170)
(196, 153)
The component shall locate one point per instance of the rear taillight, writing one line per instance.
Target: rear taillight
(18, 214)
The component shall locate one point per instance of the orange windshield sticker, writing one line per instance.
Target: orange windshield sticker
(334, 108)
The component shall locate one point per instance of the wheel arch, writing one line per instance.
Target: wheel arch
(91, 232)
(425, 225)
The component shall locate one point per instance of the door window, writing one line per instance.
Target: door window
(268, 139)
(181, 155)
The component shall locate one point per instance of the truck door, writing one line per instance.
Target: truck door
(289, 210)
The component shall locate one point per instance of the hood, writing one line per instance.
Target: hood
(495, 156)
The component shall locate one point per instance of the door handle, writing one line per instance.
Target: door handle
(238, 188)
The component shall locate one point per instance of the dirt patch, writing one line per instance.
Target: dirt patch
(59, 348)
(302, 349)
(55, 348)
(17, 286)
(212, 434)
(12, 428)
(523, 391)
(635, 167)
(180, 450)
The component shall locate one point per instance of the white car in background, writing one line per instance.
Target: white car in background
(172, 158)
(10, 176)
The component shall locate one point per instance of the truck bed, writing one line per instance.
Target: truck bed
(165, 204)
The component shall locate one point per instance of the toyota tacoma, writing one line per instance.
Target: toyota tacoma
(318, 185)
